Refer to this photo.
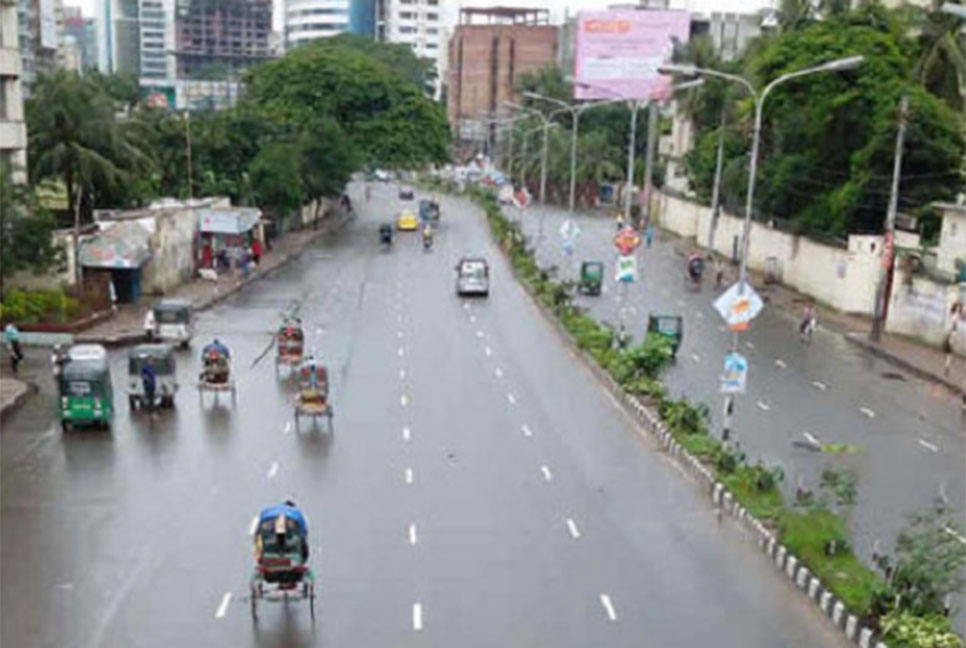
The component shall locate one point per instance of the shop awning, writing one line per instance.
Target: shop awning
(233, 220)
(124, 245)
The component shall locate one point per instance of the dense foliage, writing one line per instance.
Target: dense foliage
(306, 123)
(828, 139)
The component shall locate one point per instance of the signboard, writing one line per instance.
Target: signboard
(735, 375)
(618, 52)
(228, 221)
(738, 306)
(626, 269)
(627, 240)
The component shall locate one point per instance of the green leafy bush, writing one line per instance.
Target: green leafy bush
(902, 629)
(32, 306)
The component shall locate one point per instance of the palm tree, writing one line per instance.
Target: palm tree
(75, 138)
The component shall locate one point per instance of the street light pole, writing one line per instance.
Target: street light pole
(759, 99)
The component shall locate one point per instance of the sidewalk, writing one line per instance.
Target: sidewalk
(126, 327)
(13, 393)
(924, 361)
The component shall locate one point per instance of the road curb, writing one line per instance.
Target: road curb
(18, 400)
(723, 501)
(858, 340)
(125, 339)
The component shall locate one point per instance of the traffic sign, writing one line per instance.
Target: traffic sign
(735, 375)
(626, 269)
(627, 240)
(739, 305)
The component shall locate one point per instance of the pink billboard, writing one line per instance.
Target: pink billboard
(617, 53)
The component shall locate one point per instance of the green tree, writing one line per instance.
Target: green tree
(399, 57)
(25, 231)
(276, 177)
(74, 137)
(387, 118)
(941, 56)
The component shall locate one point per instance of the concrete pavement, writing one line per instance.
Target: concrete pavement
(480, 488)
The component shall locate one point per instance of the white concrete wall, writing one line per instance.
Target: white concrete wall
(922, 309)
(842, 278)
(172, 259)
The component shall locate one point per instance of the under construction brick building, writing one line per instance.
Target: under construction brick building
(228, 34)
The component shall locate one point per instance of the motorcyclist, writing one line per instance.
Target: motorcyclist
(427, 234)
(695, 267)
(808, 324)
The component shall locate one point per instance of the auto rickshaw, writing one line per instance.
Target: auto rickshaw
(669, 326)
(161, 359)
(173, 322)
(591, 277)
(84, 385)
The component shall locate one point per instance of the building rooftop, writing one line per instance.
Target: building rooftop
(504, 15)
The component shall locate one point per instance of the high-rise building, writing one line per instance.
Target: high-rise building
(485, 61)
(306, 20)
(156, 31)
(40, 37)
(13, 132)
(221, 35)
(84, 34)
(413, 22)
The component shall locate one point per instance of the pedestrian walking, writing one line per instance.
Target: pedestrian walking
(58, 358)
(11, 338)
(649, 234)
(809, 323)
(149, 323)
(718, 272)
(149, 382)
(257, 251)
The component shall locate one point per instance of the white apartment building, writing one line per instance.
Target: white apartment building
(419, 24)
(309, 19)
(13, 131)
(156, 38)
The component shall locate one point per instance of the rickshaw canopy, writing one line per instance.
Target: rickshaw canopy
(161, 357)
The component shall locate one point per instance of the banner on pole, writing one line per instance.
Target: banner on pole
(739, 305)
(735, 375)
(626, 269)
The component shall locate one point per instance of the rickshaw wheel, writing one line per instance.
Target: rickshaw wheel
(66, 426)
(132, 402)
(254, 599)
(311, 589)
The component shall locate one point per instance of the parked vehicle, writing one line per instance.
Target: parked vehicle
(162, 361)
(472, 277)
(406, 192)
(85, 389)
(173, 322)
(670, 326)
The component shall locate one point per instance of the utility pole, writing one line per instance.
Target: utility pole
(888, 243)
(716, 190)
(649, 160)
(187, 137)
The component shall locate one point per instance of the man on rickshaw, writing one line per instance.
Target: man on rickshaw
(215, 361)
(281, 532)
(290, 339)
(314, 381)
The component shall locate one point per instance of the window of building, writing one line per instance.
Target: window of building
(432, 30)
(407, 30)
(431, 46)
(432, 3)
(432, 16)
(3, 100)
(406, 15)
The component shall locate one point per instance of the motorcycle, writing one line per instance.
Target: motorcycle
(427, 240)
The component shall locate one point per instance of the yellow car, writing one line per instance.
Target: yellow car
(407, 221)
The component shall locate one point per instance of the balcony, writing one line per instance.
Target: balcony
(13, 135)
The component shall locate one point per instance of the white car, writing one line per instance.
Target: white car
(406, 192)
(473, 277)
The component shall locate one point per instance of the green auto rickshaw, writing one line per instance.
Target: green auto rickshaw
(670, 326)
(84, 384)
(161, 359)
(591, 277)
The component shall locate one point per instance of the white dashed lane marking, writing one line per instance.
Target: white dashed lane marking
(498, 372)
(287, 428)
(412, 534)
(696, 357)
(928, 446)
(273, 470)
(403, 400)
(417, 616)
(408, 475)
(488, 351)
(749, 345)
(400, 352)
(406, 434)
(819, 385)
(867, 412)
(527, 432)
(402, 374)
(546, 473)
(511, 398)
(780, 363)
(479, 334)
(572, 527)
(608, 607)
(764, 407)
(223, 607)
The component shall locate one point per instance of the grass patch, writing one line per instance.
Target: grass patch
(808, 535)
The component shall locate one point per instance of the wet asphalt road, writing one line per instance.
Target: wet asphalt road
(479, 489)
(909, 434)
